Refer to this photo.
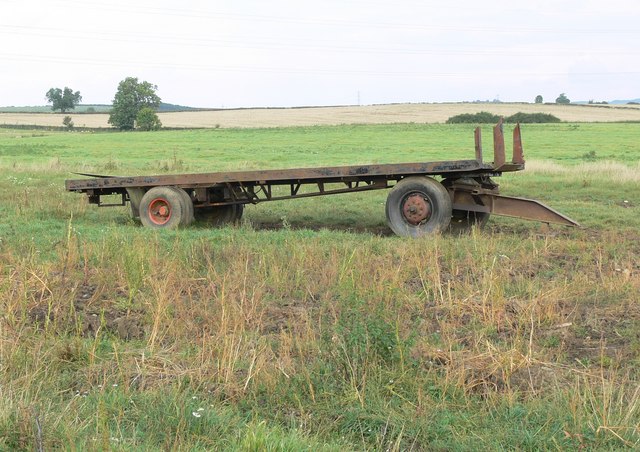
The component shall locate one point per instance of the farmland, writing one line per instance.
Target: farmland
(310, 325)
(371, 114)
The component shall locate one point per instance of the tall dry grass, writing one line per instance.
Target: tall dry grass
(607, 170)
(305, 325)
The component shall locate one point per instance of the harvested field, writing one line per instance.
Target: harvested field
(371, 114)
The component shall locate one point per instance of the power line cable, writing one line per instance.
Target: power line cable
(264, 43)
(293, 71)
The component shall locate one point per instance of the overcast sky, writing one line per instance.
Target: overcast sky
(245, 53)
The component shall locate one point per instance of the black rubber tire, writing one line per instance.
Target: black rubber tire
(135, 196)
(187, 203)
(432, 192)
(166, 198)
(462, 221)
(237, 215)
(220, 215)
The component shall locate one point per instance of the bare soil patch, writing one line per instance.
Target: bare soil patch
(94, 310)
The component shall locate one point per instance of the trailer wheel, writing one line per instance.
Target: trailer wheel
(220, 215)
(463, 220)
(188, 206)
(237, 214)
(135, 196)
(418, 206)
(162, 208)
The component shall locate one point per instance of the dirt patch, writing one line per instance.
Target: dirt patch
(602, 342)
(94, 310)
(592, 336)
(288, 316)
(625, 204)
(382, 231)
(536, 377)
(587, 339)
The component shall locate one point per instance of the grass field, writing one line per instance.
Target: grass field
(310, 325)
(371, 114)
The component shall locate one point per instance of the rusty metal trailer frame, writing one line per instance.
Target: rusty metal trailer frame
(472, 193)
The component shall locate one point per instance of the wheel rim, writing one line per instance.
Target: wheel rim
(416, 208)
(159, 211)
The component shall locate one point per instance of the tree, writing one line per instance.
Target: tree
(68, 122)
(563, 99)
(131, 97)
(539, 99)
(147, 119)
(63, 100)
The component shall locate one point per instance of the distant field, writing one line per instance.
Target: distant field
(47, 109)
(374, 114)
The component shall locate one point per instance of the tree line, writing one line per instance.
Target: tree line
(135, 105)
(484, 117)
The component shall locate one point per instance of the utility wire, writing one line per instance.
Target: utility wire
(293, 71)
(265, 44)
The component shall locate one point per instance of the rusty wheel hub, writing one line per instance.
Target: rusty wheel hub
(416, 208)
(159, 211)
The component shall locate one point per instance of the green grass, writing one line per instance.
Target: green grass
(227, 149)
(310, 326)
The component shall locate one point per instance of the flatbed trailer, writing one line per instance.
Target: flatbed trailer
(417, 203)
